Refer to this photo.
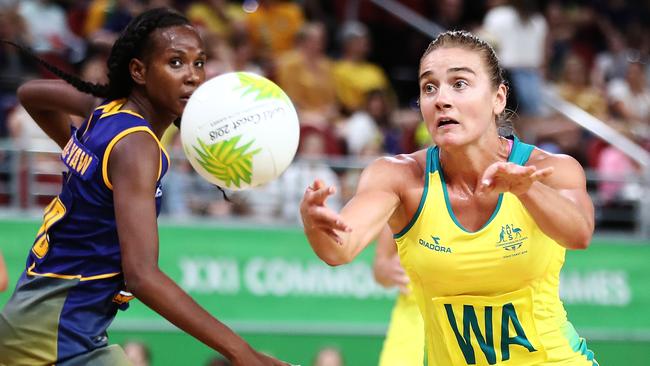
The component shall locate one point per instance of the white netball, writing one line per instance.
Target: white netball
(239, 130)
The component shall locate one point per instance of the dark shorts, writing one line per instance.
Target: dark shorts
(58, 321)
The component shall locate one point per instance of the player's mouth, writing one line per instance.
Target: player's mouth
(185, 98)
(445, 122)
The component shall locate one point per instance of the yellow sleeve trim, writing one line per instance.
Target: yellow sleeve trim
(69, 277)
(106, 114)
(115, 140)
(108, 107)
(111, 105)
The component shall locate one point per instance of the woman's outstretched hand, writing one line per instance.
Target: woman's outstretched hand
(509, 177)
(315, 213)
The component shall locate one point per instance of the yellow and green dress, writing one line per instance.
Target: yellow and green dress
(404, 342)
(489, 297)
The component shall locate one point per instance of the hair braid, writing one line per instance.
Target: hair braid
(98, 90)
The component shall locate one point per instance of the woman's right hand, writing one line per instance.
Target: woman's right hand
(316, 216)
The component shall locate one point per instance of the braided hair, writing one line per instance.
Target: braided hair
(132, 43)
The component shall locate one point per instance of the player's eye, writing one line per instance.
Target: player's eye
(176, 62)
(461, 84)
(429, 88)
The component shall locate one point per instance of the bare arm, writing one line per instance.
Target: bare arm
(560, 203)
(553, 189)
(4, 277)
(339, 238)
(51, 103)
(386, 267)
(133, 194)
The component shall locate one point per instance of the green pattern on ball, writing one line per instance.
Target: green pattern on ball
(227, 162)
(264, 88)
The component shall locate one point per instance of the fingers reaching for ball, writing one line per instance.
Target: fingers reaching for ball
(508, 177)
(315, 213)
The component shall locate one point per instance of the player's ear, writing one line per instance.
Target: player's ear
(500, 99)
(138, 71)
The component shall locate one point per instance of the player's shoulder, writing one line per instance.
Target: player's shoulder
(125, 116)
(543, 159)
(117, 123)
(394, 173)
(411, 164)
(567, 171)
(114, 110)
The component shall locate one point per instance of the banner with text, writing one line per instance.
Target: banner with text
(268, 280)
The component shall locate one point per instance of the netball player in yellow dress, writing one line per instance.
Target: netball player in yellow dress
(404, 341)
(481, 221)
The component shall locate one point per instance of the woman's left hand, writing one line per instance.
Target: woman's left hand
(509, 177)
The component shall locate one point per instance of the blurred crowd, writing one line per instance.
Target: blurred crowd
(350, 68)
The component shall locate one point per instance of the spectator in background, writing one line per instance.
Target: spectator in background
(368, 134)
(4, 277)
(220, 17)
(274, 25)
(186, 194)
(305, 74)
(449, 13)
(138, 353)
(380, 123)
(561, 31)
(220, 57)
(520, 32)
(281, 197)
(380, 107)
(362, 128)
(630, 98)
(105, 19)
(234, 53)
(614, 168)
(94, 69)
(354, 76)
(15, 67)
(630, 105)
(556, 133)
(26, 134)
(611, 64)
(244, 54)
(574, 87)
(50, 34)
(178, 182)
(329, 356)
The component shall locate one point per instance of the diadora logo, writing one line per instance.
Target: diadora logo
(435, 246)
(158, 192)
(511, 238)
